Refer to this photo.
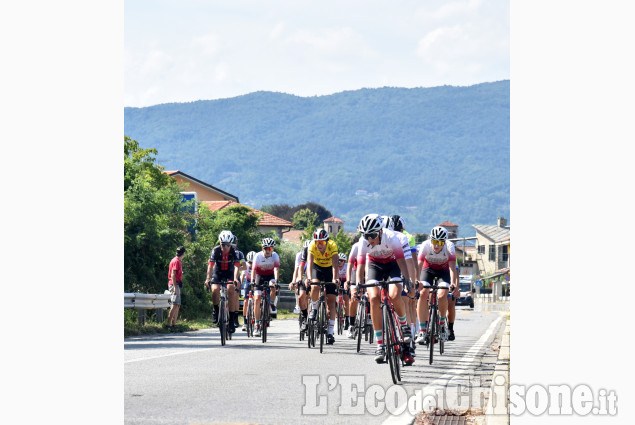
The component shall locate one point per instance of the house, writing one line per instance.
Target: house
(266, 224)
(293, 236)
(493, 248)
(333, 225)
(453, 229)
(204, 191)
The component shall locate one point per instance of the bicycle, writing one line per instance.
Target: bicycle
(250, 319)
(361, 321)
(223, 313)
(265, 314)
(391, 331)
(300, 321)
(339, 308)
(433, 331)
(320, 325)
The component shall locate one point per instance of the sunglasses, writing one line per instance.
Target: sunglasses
(225, 244)
(438, 243)
(269, 248)
(371, 235)
(342, 261)
(320, 243)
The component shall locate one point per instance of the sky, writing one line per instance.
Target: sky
(187, 50)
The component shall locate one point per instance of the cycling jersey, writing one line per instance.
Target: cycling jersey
(412, 242)
(247, 272)
(432, 260)
(343, 272)
(241, 256)
(223, 262)
(326, 259)
(389, 249)
(264, 266)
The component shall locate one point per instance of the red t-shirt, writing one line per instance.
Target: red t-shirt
(176, 265)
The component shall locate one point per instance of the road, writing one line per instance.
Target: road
(189, 378)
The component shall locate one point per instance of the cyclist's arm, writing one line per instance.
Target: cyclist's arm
(454, 276)
(236, 272)
(309, 269)
(336, 266)
(276, 272)
(405, 267)
(210, 267)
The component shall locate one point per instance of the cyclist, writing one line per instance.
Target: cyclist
(351, 279)
(322, 266)
(345, 294)
(437, 258)
(266, 268)
(300, 288)
(245, 278)
(235, 299)
(395, 222)
(223, 265)
(387, 259)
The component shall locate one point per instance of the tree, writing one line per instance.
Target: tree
(305, 218)
(154, 222)
(343, 241)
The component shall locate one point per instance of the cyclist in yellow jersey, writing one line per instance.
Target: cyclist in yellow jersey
(322, 266)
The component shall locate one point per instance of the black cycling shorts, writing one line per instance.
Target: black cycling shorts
(443, 275)
(222, 275)
(383, 271)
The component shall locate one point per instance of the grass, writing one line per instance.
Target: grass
(133, 328)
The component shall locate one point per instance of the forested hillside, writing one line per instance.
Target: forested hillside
(429, 154)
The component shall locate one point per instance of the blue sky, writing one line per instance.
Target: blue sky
(178, 51)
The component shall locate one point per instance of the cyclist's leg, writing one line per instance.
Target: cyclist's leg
(451, 317)
(443, 281)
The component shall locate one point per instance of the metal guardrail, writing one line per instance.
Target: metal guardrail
(143, 302)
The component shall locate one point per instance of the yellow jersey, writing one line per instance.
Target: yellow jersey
(326, 259)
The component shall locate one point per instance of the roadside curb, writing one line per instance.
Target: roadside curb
(497, 410)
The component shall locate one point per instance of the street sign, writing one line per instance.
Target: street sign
(477, 283)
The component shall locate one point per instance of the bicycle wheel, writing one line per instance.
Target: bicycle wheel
(229, 334)
(432, 331)
(322, 323)
(250, 318)
(340, 318)
(390, 340)
(300, 327)
(310, 331)
(360, 319)
(221, 322)
(264, 313)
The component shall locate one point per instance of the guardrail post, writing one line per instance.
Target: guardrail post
(159, 315)
(142, 315)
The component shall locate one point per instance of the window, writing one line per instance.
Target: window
(504, 253)
(492, 253)
(481, 249)
(330, 229)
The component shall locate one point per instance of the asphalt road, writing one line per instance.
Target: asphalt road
(189, 378)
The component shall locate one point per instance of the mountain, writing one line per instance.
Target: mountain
(428, 154)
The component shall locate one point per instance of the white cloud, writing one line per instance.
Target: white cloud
(277, 30)
(206, 44)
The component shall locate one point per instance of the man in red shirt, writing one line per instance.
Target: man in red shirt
(175, 284)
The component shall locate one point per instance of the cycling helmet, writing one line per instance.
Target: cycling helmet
(251, 255)
(234, 241)
(226, 237)
(342, 256)
(385, 222)
(397, 222)
(268, 242)
(370, 223)
(321, 235)
(438, 233)
(306, 243)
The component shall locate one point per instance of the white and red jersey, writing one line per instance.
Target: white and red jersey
(343, 272)
(390, 248)
(405, 243)
(352, 257)
(432, 260)
(264, 266)
(248, 272)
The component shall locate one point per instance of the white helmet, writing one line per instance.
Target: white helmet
(268, 242)
(370, 223)
(439, 233)
(234, 240)
(342, 256)
(385, 222)
(226, 237)
(251, 255)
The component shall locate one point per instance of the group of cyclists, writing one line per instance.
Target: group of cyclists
(384, 252)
